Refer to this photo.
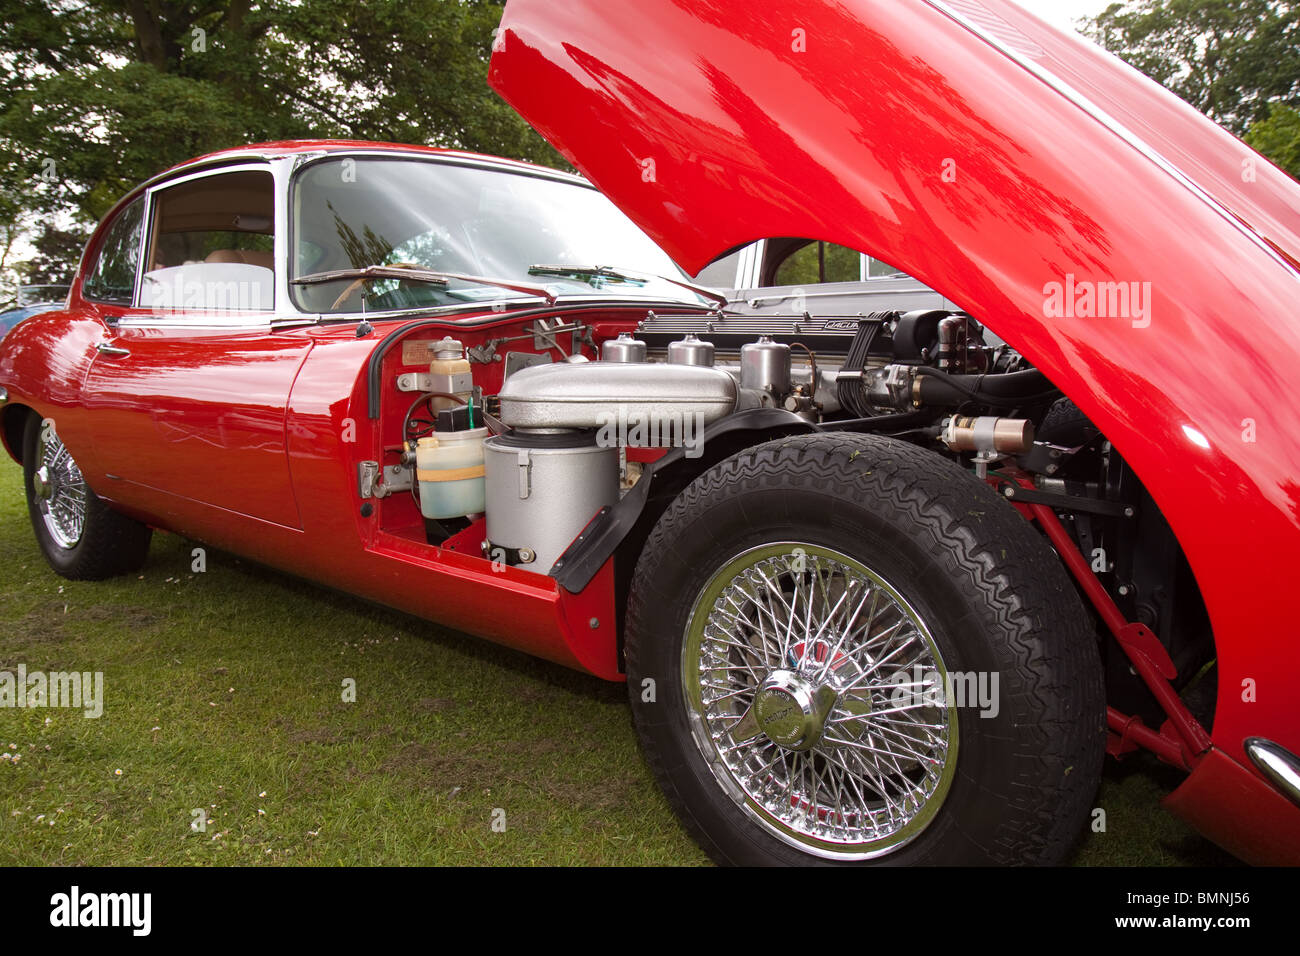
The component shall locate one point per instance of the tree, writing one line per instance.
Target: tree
(97, 95)
(57, 252)
(1231, 59)
(1278, 137)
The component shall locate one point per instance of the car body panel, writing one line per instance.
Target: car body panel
(988, 155)
(323, 432)
(246, 433)
(203, 410)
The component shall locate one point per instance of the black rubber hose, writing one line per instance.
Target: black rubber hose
(1004, 390)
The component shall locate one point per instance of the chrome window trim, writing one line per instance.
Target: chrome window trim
(447, 159)
(264, 319)
(749, 270)
(471, 162)
(136, 322)
(83, 272)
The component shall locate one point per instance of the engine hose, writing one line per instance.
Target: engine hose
(1007, 390)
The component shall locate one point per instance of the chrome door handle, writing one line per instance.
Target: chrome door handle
(103, 348)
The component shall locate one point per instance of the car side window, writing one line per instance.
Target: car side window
(719, 274)
(811, 263)
(111, 279)
(212, 245)
(819, 262)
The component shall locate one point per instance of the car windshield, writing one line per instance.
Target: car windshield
(350, 213)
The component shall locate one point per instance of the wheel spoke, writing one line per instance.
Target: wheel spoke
(62, 503)
(807, 706)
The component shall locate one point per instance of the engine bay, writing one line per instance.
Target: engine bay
(515, 444)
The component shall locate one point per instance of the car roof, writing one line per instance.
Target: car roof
(312, 147)
(282, 148)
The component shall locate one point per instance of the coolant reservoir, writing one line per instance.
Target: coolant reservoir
(450, 372)
(449, 467)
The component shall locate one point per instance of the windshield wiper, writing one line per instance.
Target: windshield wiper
(399, 270)
(605, 272)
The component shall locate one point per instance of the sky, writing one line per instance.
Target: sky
(1063, 13)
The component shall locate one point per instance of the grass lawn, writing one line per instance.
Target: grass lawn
(223, 693)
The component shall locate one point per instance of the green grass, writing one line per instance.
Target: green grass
(224, 693)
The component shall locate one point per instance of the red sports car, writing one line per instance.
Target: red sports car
(886, 586)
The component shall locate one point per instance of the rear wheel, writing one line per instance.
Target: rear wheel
(80, 536)
(845, 649)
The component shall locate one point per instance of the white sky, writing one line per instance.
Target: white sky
(1063, 13)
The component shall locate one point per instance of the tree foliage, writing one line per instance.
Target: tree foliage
(1231, 59)
(1278, 137)
(97, 95)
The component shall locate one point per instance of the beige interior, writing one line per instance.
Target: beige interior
(237, 202)
(252, 257)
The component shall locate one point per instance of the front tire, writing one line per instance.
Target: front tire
(843, 648)
(81, 537)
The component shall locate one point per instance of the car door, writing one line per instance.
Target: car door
(189, 388)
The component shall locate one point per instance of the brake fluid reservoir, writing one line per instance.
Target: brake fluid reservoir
(449, 467)
(450, 373)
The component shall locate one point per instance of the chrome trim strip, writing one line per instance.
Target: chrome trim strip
(4, 395)
(1277, 764)
(288, 151)
(496, 164)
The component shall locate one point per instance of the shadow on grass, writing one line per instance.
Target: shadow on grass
(554, 675)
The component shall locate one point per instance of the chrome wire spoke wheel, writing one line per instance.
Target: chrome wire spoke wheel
(60, 491)
(816, 695)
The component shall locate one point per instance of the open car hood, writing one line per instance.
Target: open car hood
(991, 156)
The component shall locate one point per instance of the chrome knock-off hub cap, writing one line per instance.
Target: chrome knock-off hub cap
(791, 709)
(41, 483)
(815, 693)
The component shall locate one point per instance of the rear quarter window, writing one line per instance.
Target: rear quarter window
(111, 278)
